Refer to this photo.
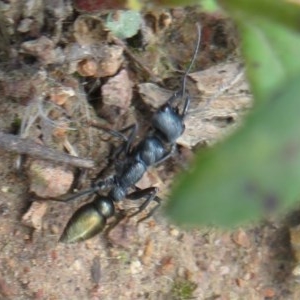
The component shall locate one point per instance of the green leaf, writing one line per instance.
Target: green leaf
(255, 171)
(134, 5)
(271, 52)
(276, 11)
(258, 169)
(124, 24)
(209, 5)
(174, 3)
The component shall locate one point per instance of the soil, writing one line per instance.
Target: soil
(153, 259)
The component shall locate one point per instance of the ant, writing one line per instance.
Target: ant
(131, 163)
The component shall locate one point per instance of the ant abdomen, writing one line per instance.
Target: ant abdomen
(89, 220)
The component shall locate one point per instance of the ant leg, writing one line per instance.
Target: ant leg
(112, 132)
(132, 133)
(150, 194)
(116, 133)
(94, 189)
(167, 155)
(127, 141)
(71, 197)
(96, 186)
(186, 106)
(118, 217)
(153, 210)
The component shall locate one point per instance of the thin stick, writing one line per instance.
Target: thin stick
(16, 144)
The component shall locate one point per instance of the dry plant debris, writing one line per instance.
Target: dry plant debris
(64, 68)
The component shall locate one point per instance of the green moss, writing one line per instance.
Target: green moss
(183, 289)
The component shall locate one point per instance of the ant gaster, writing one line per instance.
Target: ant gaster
(158, 145)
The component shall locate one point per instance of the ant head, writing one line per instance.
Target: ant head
(168, 123)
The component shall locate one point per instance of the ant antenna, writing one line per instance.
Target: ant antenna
(193, 59)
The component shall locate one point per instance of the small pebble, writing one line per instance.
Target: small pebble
(241, 238)
(34, 215)
(135, 267)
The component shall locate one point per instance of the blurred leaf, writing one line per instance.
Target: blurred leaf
(209, 5)
(255, 171)
(134, 4)
(271, 52)
(172, 3)
(278, 11)
(124, 24)
(258, 169)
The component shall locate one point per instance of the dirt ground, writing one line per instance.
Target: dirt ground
(153, 259)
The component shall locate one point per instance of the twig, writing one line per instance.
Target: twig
(16, 144)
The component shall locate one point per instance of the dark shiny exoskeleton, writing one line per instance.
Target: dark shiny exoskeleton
(167, 126)
(88, 220)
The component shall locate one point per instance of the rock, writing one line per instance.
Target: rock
(118, 91)
(49, 180)
(60, 95)
(33, 217)
(43, 49)
(111, 60)
(87, 67)
(154, 95)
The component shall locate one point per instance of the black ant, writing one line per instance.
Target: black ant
(131, 164)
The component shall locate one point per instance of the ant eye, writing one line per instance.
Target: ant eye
(165, 108)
